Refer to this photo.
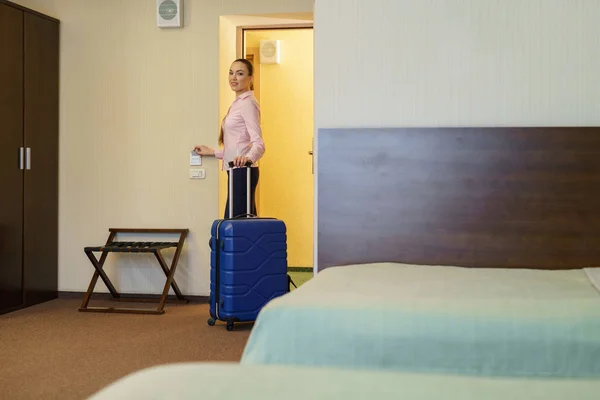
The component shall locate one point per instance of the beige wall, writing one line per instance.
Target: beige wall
(459, 62)
(134, 100)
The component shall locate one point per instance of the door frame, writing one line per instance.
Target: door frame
(240, 44)
(240, 50)
(240, 47)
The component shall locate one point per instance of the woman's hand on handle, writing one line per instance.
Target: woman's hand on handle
(240, 161)
(204, 150)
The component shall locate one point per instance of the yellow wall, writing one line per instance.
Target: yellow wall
(286, 98)
(134, 99)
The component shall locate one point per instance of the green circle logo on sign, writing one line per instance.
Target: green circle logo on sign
(167, 9)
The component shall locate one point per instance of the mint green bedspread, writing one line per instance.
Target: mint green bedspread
(227, 381)
(435, 319)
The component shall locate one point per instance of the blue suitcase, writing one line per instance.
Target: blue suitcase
(248, 266)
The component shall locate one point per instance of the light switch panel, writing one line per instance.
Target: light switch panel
(197, 173)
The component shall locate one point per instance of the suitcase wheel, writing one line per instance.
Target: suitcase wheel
(211, 322)
(230, 325)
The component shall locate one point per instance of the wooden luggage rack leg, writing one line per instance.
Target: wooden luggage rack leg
(155, 248)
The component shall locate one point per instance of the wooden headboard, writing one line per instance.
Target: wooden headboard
(472, 197)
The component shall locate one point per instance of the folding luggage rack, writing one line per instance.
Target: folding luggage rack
(155, 248)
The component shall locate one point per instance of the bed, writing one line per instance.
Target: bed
(436, 319)
(449, 250)
(215, 381)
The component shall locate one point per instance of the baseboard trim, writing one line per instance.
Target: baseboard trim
(300, 269)
(192, 299)
(133, 296)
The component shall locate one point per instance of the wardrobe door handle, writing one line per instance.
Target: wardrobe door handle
(21, 161)
(28, 159)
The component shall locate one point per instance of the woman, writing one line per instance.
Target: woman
(241, 138)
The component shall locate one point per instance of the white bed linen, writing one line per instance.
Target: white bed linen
(436, 319)
(228, 381)
(593, 275)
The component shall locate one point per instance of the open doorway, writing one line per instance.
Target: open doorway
(285, 91)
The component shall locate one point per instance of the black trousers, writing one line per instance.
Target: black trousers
(239, 191)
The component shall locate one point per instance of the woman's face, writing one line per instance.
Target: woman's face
(239, 79)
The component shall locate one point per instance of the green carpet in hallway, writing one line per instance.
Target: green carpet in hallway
(299, 276)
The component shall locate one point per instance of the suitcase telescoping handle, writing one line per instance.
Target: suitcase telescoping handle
(231, 168)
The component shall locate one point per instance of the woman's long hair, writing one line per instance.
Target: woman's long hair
(250, 68)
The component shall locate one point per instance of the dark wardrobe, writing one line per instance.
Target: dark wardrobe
(29, 70)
